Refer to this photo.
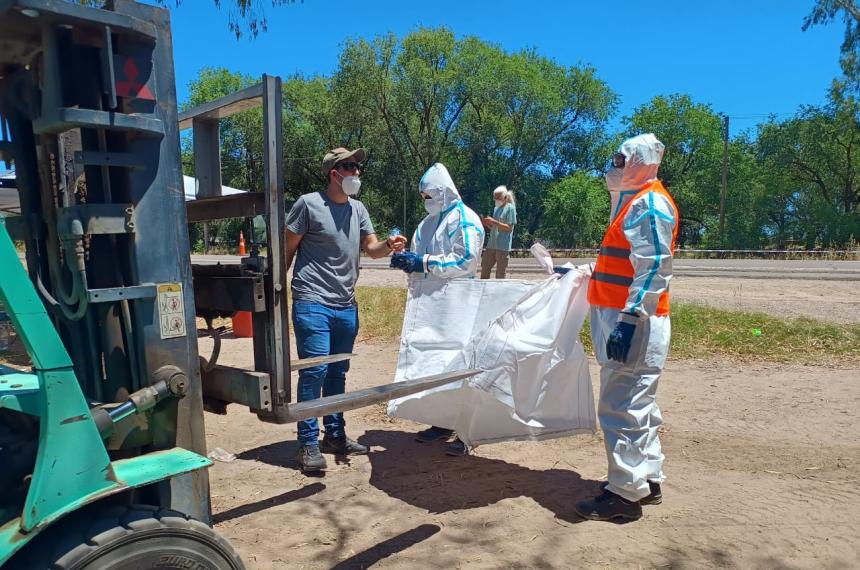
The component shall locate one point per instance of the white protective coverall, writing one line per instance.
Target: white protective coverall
(627, 409)
(451, 237)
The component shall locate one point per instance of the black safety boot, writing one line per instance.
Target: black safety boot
(457, 448)
(433, 433)
(608, 506)
(342, 446)
(310, 458)
(654, 498)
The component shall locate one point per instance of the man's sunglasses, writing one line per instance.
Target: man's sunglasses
(352, 166)
(619, 160)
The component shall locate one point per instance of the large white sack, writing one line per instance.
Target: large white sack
(525, 336)
(442, 316)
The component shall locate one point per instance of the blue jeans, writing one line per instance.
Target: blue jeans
(322, 330)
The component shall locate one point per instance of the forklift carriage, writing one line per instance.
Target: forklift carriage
(102, 444)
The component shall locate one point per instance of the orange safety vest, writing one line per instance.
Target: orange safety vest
(613, 273)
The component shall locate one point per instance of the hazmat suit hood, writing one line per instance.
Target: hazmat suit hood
(437, 184)
(642, 154)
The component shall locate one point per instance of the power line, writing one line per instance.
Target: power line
(760, 115)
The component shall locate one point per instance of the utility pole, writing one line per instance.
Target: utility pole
(405, 200)
(723, 190)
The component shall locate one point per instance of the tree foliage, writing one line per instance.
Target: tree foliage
(519, 119)
(243, 16)
(826, 11)
(691, 167)
(492, 117)
(576, 210)
(817, 154)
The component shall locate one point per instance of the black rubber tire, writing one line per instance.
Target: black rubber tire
(139, 537)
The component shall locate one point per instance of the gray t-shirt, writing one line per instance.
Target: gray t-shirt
(326, 265)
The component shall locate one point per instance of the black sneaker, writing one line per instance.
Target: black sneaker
(310, 458)
(433, 433)
(608, 506)
(655, 498)
(457, 448)
(342, 446)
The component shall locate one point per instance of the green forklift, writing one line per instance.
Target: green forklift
(102, 443)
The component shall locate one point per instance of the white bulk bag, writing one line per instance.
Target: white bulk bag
(523, 335)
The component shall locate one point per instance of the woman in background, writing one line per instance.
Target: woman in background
(501, 230)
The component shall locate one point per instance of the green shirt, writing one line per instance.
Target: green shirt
(498, 239)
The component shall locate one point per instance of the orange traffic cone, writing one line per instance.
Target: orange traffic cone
(242, 322)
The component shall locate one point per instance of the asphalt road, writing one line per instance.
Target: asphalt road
(734, 268)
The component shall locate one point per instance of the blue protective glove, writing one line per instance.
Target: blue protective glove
(618, 343)
(398, 261)
(408, 261)
(560, 270)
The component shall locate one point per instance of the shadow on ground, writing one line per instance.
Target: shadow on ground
(269, 503)
(283, 454)
(421, 475)
(388, 547)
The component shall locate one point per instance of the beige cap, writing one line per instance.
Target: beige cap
(341, 154)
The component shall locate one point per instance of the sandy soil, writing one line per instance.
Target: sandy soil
(762, 463)
(835, 301)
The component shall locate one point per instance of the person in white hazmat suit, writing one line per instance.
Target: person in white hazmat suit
(630, 328)
(447, 244)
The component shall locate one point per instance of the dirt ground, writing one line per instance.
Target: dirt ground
(762, 465)
(761, 462)
(835, 301)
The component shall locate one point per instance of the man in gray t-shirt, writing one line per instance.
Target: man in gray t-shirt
(326, 231)
(326, 265)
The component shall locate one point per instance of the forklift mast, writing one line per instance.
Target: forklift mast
(88, 118)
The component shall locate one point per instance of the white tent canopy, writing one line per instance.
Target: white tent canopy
(9, 196)
(190, 184)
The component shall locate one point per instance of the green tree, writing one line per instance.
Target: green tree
(576, 211)
(492, 117)
(536, 121)
(408, 96)
(826, 11)
(692, 162)
(819, 153)
(241, 139)
(753, 207)
(241, 135)
(243, 16)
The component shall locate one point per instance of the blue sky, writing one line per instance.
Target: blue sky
(744, 58)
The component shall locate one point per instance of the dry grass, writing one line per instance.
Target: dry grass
(699, 332)
(380, 311)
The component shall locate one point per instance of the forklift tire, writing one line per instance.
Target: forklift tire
(139, 537)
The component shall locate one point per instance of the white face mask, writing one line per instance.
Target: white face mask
(613, 179)
(499, 203)
(432, 206)
(350, 185)
(618, 195)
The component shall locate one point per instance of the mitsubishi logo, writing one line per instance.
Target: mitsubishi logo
(127, 82)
